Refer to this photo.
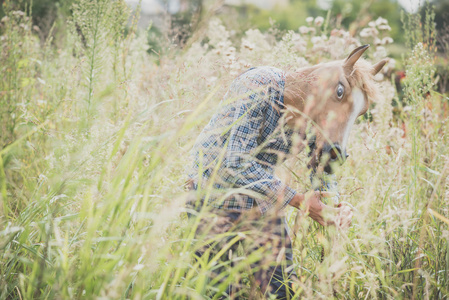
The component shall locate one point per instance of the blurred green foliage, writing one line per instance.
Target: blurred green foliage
(360, 12)
(352, 14)
(286, 17)
(48, 15)
(441, 13)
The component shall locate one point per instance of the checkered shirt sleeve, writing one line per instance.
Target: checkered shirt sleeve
(243, 147)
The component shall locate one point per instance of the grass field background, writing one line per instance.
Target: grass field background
(95, 139)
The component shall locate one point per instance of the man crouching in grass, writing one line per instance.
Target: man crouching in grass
(234, 177)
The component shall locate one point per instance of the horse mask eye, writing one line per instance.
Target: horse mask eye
(340, 91)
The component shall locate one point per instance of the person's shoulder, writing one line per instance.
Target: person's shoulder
(264, 75)
(267, 72)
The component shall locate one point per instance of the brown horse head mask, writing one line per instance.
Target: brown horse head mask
(326, 99)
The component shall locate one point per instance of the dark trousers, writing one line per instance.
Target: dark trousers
(267, 251)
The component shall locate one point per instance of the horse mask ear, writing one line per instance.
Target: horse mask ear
(377, 67)
(349, 62)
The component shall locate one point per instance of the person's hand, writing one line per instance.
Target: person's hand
(324, 214)
(317, 210)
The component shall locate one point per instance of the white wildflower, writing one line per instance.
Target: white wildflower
(319, 21)
(300, 45)
(18, 13)
(345, 34)
(247, 44)
(380, 53)
(309, 20)
(381, 21)
(316, 40)
(197, 51)
(230, 51)
(384, 27)
(366, 32)
(391, 63)
(387, 40)
(222, 44)
(245, 64)
(254, 44)
(318, 43)
(230, 58)
(217, 34)
(302, 62)
(304, 29)
(372, 24)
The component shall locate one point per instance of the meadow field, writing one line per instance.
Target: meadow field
(96, 131)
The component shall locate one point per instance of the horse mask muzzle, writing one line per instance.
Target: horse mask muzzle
(328, 156)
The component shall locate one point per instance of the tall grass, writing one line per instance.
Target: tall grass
(95, 138)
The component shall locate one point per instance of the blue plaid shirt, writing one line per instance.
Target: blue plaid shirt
(236, 153)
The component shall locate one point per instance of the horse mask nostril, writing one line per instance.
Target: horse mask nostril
(333, 154)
